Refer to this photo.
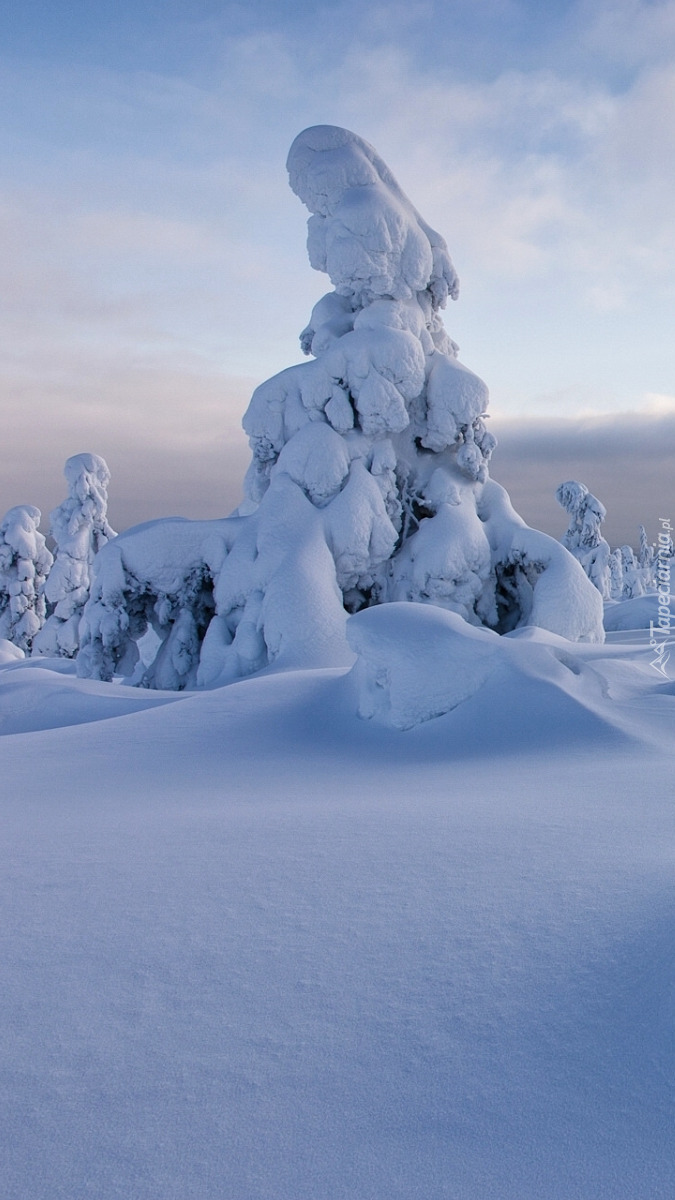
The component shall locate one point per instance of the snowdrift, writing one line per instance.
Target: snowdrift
(254, 946)
(416, 662)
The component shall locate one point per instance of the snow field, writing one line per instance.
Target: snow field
(256, 947)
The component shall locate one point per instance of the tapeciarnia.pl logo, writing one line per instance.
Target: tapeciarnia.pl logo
(659, 633)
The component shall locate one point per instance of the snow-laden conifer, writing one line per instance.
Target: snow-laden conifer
(369, 476)
(583, 537)
(632, 584)
(79, 528)
(615, 575)
(25, 562)
(157, 577)
(647, 559)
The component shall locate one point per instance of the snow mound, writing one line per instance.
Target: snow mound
(638, 613)
(33, 697)
(9, 653)
(416, 662)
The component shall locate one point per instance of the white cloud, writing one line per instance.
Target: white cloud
(630, 32)
(658, 404)
(607, 297)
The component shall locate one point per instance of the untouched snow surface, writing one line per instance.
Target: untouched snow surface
(258, 948)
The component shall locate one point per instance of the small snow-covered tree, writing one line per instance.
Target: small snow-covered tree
(158, 577)
(369, 477)
(647, 561)
(25, 562)
(583, 537)
(631, 576)
(615, 575)
(80, 529)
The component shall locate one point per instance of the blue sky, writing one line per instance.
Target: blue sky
(152, 261)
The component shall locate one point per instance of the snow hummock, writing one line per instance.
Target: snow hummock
(9, 652)
(417, 662)
(636, 613)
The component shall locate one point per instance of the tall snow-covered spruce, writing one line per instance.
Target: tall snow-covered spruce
(25, 562)
(369, 478)
(80, 529)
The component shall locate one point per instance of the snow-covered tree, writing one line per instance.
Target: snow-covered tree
(631, 576)
(80, 529)
(583, 537)
(25, 562)
(615, 575)
(369, 477)
(157, 577)
(647, 561)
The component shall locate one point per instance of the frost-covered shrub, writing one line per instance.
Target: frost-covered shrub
(25, 562)
(80, 529)
(369, 476)
(583, 537)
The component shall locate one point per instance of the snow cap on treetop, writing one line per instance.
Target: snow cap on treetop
(87, 464)
(364, 231)
(22, 516)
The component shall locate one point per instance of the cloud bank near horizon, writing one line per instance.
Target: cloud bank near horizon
(175, 447)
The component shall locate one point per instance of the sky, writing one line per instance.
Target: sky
(152, 256)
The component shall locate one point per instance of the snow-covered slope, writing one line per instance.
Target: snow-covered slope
(258, 948)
